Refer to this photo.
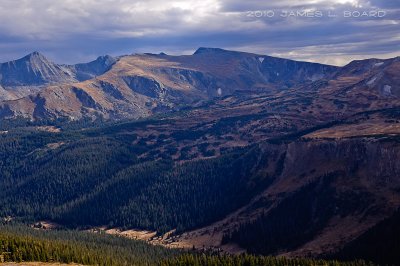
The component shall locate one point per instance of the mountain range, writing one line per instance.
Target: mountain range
(34, 72)
(220, 150)
(140, 85)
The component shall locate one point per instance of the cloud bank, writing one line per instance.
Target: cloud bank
(72, 31)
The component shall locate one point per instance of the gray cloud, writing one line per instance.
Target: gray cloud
(72, 31)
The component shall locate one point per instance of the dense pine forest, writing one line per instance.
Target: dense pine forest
(309, 211)
(386, 252)
(57, 176)
(99, 174)
(249, 260)
(19, 243)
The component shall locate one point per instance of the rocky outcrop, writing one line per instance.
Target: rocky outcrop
(145, 86)
(329, 193)
(92, 69)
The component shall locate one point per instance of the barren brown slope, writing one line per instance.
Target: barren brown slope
(139, 85)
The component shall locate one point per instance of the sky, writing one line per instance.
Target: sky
(72, 31)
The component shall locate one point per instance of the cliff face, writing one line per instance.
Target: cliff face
(323, 195)
(351, 156)
(329, 193)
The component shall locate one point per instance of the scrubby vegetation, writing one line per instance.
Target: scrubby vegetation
(20, 243)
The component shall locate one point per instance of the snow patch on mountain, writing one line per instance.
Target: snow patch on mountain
(372, 81)
(387, 90)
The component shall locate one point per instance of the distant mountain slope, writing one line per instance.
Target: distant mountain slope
(33, 70)
(253, 70)
(144, 84)
(32, 73)
(376, 74)
(94, 68)
(140, 85)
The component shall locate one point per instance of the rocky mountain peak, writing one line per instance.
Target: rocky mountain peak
(94, 68)
(208, 50)
(105, 60)
(32, 70)
(34, 57)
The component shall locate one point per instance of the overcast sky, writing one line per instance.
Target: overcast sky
(72, 31)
